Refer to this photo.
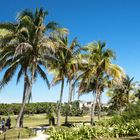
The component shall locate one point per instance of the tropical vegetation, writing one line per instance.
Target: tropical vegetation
(30, 48)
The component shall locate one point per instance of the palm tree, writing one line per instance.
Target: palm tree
(118, 99)
(21, 49)
(74, 48)
(98, 71)
(63, 64)
(120, 94)
(128, 86)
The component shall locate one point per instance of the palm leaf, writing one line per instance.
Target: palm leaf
(8, 76)
(8, 26)
(43, 75)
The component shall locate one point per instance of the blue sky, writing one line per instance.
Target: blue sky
(117, 22)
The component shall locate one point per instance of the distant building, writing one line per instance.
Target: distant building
(85, 104)
(88, 104)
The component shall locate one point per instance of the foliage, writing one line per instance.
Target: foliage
(111, 128)
(132, 112)
(120, 94)
(39, 108)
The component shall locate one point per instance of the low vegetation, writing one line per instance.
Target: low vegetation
(126, 125)
(103, 129)
(17, 133)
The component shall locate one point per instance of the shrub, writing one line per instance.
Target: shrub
(115, 127)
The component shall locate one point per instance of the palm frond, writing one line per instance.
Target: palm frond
(8, 76)
(8, 26)
(52, 25)
(24, 13)
(43, 75)
(56, 80)
(19, 75)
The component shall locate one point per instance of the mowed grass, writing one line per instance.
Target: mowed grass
(41, 120)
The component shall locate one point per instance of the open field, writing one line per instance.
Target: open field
(41, 119)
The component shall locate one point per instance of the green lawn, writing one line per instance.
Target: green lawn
(40, 119)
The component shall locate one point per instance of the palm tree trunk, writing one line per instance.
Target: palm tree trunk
(19, 122)
(98, 100)
(93, 108)
(127, 94)
(69, 100)
(59, 103)
(99, 106)
(26, 94)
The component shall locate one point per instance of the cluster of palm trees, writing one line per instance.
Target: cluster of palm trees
(30, 47)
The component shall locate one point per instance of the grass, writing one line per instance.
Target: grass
(16, 133)
(41, 119)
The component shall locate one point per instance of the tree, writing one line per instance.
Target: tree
(98, 72)
(120, 94)
(128, 86)
(63, 64)
(21, 50)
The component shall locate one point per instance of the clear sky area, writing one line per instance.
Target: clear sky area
(117, 22)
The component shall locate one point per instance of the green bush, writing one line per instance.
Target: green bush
(111, 128)
(132, 112)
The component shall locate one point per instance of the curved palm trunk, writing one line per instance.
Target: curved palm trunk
(26, 95)
(59, 103)
(69, 100)
(93, 109)
(19, 122)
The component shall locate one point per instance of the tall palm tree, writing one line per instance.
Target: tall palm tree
(74, 48)
(21, 49)
(63, 64)
(98, 71)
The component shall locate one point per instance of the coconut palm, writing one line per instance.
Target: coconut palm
(74, 48)
(98, 71)
(21, 50)
(63, 65)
